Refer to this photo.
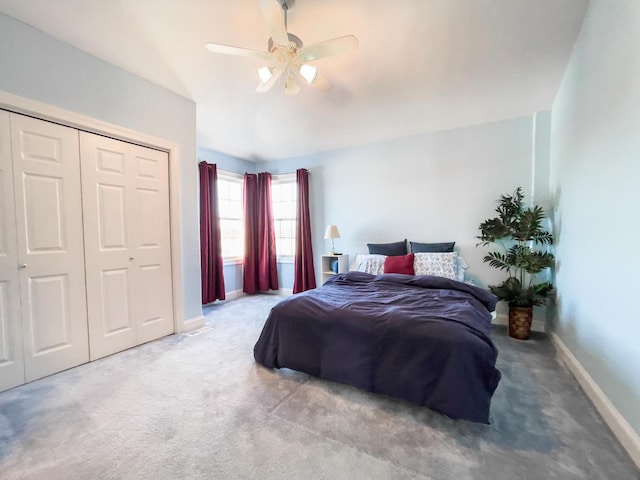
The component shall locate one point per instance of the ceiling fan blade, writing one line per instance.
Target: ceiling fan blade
(263, 87)
(335, 46)
(273, 14)
(244, 52)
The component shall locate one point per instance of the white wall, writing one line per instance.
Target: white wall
(595, 158)
(429, 188)
(36, 66)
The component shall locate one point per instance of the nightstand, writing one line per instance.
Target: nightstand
(327, 263)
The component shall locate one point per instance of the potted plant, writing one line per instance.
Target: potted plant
(518, 231)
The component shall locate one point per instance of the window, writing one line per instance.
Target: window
(230, 213)
(284, 193)
(284, 199)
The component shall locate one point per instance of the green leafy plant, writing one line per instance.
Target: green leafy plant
(518, 231)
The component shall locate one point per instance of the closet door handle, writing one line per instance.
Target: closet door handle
(24, 265)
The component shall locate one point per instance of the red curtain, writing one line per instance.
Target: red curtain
(304, 274)
(260, 268)
(210, 248)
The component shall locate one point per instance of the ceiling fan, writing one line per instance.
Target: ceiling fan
(286, 54)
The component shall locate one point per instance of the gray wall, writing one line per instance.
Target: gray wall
(595, 159)
(36, 66)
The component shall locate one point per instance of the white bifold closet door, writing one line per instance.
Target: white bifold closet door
(50, 255)
(11, 362)
(127, 243)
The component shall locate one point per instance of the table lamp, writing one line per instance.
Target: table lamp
(331, 233)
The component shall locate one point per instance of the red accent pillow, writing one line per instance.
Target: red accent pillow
(399, 264)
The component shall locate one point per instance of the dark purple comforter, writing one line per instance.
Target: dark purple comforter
(420, 338)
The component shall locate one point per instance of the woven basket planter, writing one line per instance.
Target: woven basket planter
(520, 322)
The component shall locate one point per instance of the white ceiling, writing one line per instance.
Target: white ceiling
(422, 65)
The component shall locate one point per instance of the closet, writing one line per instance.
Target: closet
(85, 259)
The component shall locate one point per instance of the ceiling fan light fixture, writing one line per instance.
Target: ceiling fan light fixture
(287, 53)
(309, 73)
(290, 86)
(265, 74)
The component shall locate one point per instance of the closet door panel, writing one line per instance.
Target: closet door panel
(116, 309)
(128, 252)
(11, 357)
(46, 170)
(48, 317)
(152, 244)
(114, 296)
(45, 223)
(107, 227)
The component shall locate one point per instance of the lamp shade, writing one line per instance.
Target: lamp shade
(332, 232)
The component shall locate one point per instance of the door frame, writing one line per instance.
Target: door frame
(43, 111)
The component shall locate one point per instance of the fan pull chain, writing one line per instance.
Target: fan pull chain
(285, 7)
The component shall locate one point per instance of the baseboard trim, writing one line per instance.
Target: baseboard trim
(617, 423)
(192, 324)
(239, 293)
(232, 295)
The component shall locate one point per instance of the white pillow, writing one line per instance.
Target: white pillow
(437, 263)
(371, 263)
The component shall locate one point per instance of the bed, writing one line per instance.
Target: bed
(421, 338)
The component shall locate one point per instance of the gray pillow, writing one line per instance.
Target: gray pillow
(431, 247)
(388, 249)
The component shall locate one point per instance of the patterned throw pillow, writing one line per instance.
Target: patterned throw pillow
(438, 264)
(373, 264)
